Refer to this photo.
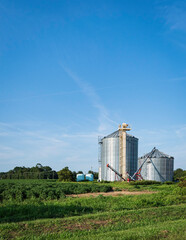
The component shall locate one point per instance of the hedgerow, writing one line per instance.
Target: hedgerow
(145, 182)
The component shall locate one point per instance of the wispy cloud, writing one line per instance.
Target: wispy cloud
(181, 132)
(13, 130)
(170, 140)
(17, 99)
(179, 79)
(175, 15)
(53, 146)
(103, 117)
(49, 145)
(38, 96)
(7, 153)
(43, 144)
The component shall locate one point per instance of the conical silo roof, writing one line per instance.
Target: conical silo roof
(116, 134)
(155, 153)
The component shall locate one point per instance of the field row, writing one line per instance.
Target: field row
(148, 216)
(37, 209)
(126, 224)
(45, 190)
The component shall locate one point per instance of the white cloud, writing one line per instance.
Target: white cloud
(179, 79)
(49, 146)
(181, 132)
(171, 141)
(105, 122)
(54, 147)
(39, 96)
(175, 15)
(7, 153)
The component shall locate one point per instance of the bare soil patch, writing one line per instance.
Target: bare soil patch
(90, 224)
(114, 193)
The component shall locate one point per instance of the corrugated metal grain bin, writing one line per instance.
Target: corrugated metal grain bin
(109, 153)
(158, 168)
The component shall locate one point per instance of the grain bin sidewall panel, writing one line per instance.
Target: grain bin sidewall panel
(131, 155)
(144, 168)
(110, 155)
(164, 165)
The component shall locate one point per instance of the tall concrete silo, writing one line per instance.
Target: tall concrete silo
(120, 151)
(157, 166)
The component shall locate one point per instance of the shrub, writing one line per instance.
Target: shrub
(144, 182)
(168, 182)
(182, 182)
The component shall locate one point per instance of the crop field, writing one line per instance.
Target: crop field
(44, 190)
(43, 209)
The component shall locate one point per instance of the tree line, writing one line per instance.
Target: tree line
(42, 172)
(37, 172)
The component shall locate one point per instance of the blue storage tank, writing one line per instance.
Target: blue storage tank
(80, 177)
(89, 177)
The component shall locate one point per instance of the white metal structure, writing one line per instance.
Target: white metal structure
(157, 166)
(119, 150)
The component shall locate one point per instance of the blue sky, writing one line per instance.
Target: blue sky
(73, 70)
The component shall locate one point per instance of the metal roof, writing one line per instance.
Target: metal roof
(155, 153)
(116, 134)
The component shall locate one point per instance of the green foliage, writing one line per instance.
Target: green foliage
(74, 176)
(182, 182)
(65, 175)
(33, 212)
(178, 173)
(65, 207)
(44, 190)
(37, 172)
(144, 182)
(168, 182)
(103, 181)
(150, 223)
(95, 174)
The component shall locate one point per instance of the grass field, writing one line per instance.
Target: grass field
(160, 215)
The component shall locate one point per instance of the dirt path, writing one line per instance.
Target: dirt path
(114, 194)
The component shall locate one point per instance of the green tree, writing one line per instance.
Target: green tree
(74, 175)
(95, 174)
(178, 173)
(65, 175)
(37, 172)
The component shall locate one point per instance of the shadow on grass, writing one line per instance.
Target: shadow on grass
(17, 213)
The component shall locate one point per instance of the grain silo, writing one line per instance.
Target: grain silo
(157, 166)
(120, 151)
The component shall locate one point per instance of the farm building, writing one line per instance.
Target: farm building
(119, 150)
(157, 166)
